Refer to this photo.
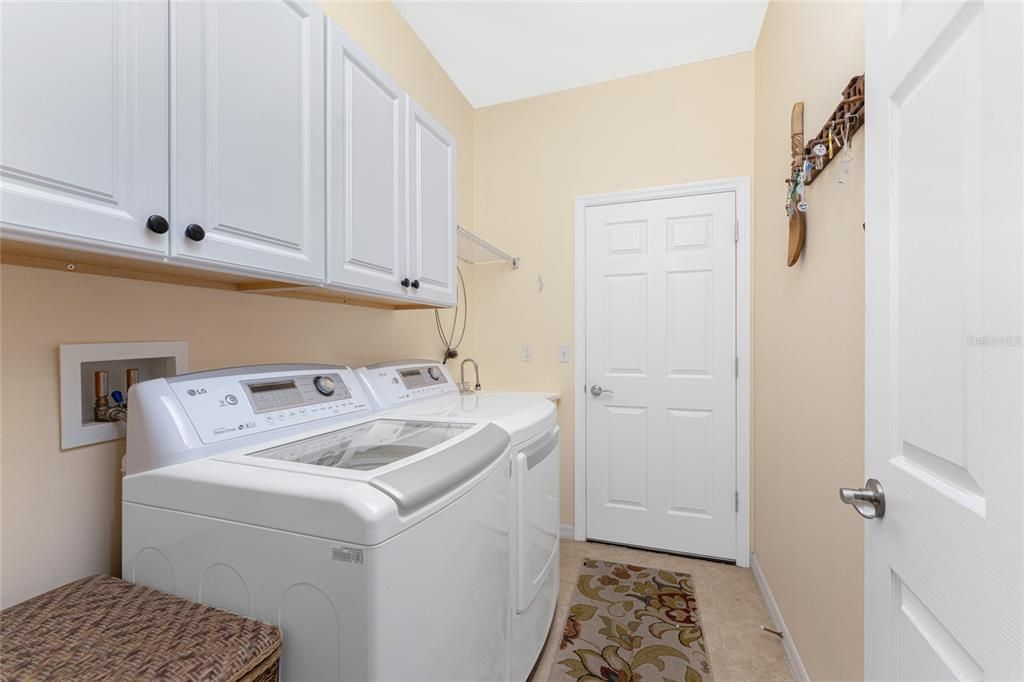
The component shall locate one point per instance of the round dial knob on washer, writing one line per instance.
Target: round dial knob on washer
(434, 373)
(325, 385)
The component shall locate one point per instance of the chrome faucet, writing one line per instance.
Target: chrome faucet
(463, 386)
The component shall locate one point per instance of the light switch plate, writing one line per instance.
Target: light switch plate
(563, 353)
(527, 353)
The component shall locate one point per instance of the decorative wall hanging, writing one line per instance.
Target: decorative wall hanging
(837, 133)
(809, 159)
(795, 204)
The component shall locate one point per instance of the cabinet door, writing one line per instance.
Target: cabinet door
(83, 123)
(431, 183)
(366, 234)
(247, 135)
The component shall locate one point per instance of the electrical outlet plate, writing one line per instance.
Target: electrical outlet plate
(78, 362)
(527, 353)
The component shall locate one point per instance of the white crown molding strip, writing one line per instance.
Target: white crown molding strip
(796, 666)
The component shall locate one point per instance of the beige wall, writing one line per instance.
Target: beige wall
(59, 511)
(534, 156)
(809, 344)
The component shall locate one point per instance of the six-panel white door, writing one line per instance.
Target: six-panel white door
(944, 583)
(366, 222)
(661, 345)
(431, 192)
(247, 135)
(83, 123)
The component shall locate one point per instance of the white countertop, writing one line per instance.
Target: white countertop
(553, 396)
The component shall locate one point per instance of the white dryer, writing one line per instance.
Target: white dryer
(425, 389)
(380, 546)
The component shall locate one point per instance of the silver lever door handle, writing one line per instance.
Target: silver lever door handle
(869, 501)
(596, 390)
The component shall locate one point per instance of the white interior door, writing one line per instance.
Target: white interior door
(248, 135)
(83, 123)
(944, 377)
(661, 343)
(366, 227)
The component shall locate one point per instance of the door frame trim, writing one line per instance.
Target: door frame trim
(740, 186)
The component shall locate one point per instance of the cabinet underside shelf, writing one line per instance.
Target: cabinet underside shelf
(81, 262)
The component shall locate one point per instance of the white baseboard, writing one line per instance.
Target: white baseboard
(566, 532)
(796, 666)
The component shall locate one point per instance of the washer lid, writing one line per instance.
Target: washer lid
(364, 507)
(380, 443)
(427, 478)
(369, 445)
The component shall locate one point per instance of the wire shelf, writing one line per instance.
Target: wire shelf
(478, 251)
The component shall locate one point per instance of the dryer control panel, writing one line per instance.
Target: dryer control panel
(226, 404)
(399, 383)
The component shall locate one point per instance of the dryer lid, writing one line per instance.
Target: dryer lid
(524, 416)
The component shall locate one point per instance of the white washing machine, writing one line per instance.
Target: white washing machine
(380, 545)
(425, 389)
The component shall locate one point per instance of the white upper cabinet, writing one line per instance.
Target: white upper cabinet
(83, 138)
(366, 228)
(247, 136)
(390, 183)
(431, 192)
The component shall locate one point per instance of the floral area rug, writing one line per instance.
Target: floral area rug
(630, 624)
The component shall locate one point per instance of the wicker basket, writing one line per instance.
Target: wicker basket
(103, 628)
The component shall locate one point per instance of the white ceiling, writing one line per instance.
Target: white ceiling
(498, 51)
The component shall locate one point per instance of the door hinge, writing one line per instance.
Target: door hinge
(737, 367)
(737, 501)
(736, 231)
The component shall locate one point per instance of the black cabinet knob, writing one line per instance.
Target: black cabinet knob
(195, 232)
(158, 224)
(405, 282)
(415, 284)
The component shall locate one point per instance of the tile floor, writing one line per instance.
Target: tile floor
(729, 601)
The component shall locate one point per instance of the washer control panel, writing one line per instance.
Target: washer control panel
(397, 384)
(285, 392)
(222, 405)
(414, 378)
